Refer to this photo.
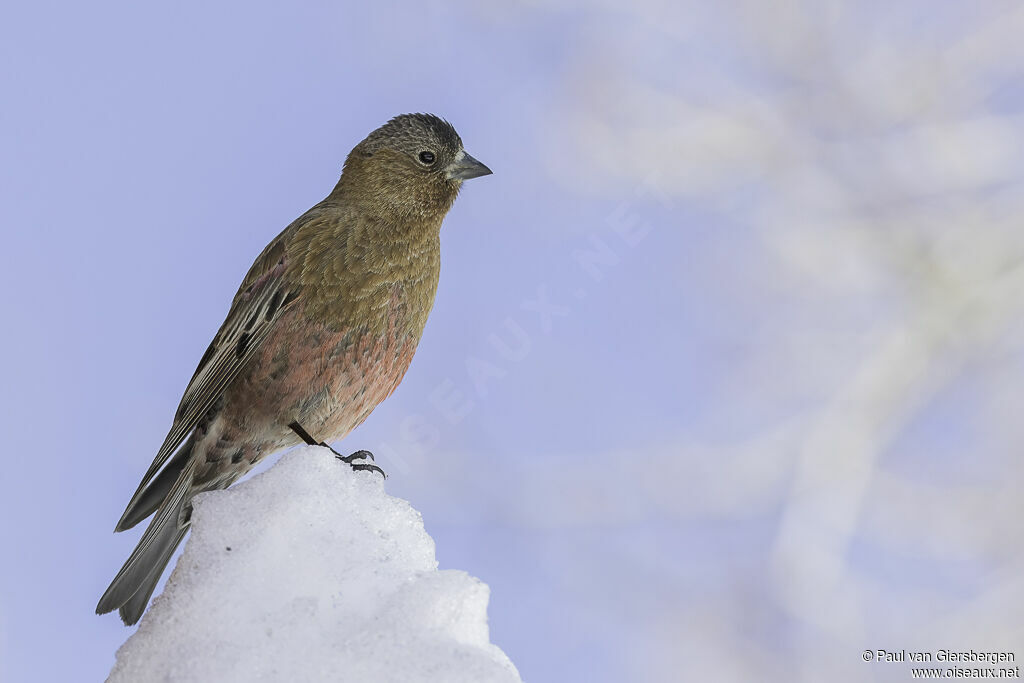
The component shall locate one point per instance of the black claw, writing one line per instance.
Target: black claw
(358, 455)
(361, 466)
(350, 459)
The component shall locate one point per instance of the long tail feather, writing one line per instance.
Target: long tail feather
(132, 610)
(146, 563)
(147, 500)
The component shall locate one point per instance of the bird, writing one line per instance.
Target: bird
(322, 329)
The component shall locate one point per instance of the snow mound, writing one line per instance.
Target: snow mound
(310, 572)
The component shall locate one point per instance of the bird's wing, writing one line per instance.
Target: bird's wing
(259, 303)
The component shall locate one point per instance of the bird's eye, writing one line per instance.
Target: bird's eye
(427, 157)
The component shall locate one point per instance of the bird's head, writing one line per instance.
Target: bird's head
(410, 168)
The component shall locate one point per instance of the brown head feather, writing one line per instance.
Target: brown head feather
(378, 232)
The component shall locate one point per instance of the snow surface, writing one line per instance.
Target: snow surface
(310, 572)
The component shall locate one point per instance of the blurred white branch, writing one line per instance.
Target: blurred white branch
(871, 149)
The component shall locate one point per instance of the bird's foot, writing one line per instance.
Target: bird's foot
(357, 466)
(358, 455)
(350, 460)
(360, 466)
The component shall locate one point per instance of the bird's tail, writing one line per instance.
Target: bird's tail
(132, 587)
(150, 494)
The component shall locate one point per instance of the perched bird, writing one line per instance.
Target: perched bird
(321, 330)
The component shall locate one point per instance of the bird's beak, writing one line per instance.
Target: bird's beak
(465, 167)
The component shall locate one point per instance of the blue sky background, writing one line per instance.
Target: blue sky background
(773, 424)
